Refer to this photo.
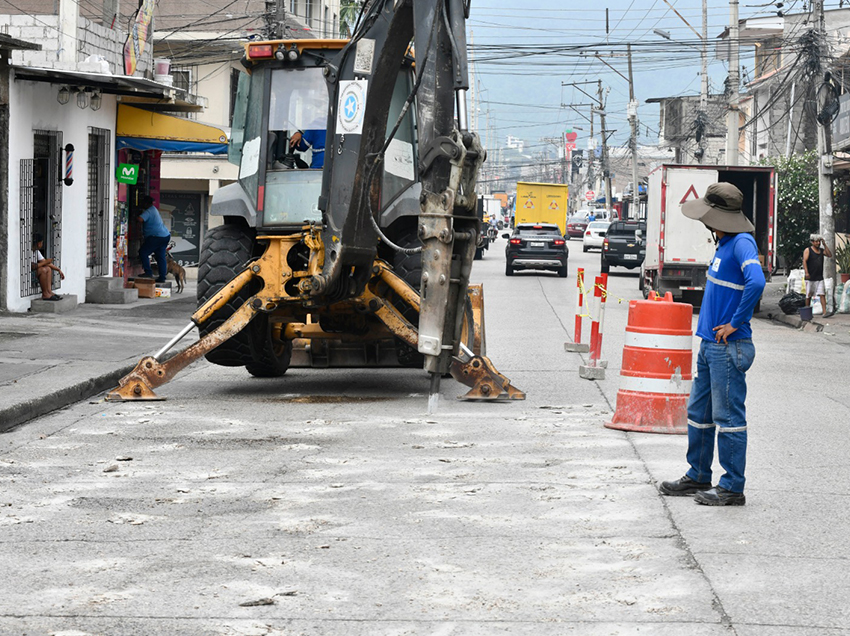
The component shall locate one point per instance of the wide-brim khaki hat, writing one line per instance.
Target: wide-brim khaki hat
(720, 209)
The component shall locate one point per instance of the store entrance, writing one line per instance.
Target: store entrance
(41, 206)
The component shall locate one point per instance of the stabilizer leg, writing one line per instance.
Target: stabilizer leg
(480, 374)
(151, 373)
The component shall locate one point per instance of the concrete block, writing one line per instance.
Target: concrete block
(22, 21)
(109, 291)
(32, 57)
(67, 303)
(591, 373)
(121, 296)
(35, 33)
(576, 347)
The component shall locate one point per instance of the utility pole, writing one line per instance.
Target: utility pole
(606, 171)
(590, 175)
(826, 218)
(633, 120)
(474, 116)
(275, 19)
(732, 122)
(703, 89)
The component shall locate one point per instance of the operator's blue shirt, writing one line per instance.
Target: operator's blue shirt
(734, 286)
(315, 139)
(152, 223)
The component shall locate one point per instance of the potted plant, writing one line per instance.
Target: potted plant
(842, 261)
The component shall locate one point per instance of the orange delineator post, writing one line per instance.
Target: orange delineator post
(579, 303)
(594, 325)
(602, 285)
(656, 375)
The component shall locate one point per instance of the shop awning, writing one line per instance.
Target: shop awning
(147, 130)
(158, 96)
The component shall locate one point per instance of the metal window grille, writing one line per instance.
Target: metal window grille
(97, 243)
(29, 283)
(182, 77)
(41, 206)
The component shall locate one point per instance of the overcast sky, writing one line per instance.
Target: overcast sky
(524, 52)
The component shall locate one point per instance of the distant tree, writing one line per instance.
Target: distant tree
(798, 204)
(348, 12)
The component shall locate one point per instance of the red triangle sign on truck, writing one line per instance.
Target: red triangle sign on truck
(691, 190)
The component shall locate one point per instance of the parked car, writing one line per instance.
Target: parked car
(595, 234)
(576, 225)
(536, 246)
(621, 248)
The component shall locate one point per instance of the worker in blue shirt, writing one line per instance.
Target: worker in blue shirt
(735, 282)
(156, 239)
(310, 139)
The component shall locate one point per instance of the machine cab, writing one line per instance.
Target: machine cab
(279, 134)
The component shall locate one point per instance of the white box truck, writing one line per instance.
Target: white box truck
(678, 249)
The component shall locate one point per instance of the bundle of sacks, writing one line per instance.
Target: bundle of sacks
(797, 282)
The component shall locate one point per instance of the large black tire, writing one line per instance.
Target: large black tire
(562, 271)
(509, 271)
(604, 267)
(226, 250)
(270, 355)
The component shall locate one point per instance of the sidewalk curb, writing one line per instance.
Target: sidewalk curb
(17, 414)
(792, 321)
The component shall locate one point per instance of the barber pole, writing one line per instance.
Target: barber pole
(69, 165)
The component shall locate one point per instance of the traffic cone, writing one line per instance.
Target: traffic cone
(656, 376)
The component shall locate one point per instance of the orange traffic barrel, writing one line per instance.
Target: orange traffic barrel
(656, 376)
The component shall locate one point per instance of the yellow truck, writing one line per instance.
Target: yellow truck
(542, 203)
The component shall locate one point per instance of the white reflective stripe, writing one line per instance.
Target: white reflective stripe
(658, 341)
(752, 261)
(724, 283)
(731, 429)
(698, 425)
(655, 385)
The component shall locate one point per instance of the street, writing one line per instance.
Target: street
(329, 502)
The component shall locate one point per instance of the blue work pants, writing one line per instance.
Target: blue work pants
(155, 245)
(718, 394)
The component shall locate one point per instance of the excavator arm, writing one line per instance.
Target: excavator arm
(449, 157)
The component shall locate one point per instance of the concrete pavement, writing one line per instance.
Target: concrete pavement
(48, 361)
(324, 503)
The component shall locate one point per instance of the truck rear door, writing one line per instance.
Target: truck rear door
(685, 240)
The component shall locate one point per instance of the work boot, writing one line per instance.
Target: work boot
(720, 497)
(683, 487)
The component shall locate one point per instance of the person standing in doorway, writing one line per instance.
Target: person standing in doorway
(735, 282)
(156, 239)
(813, 265)
(44, 268)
